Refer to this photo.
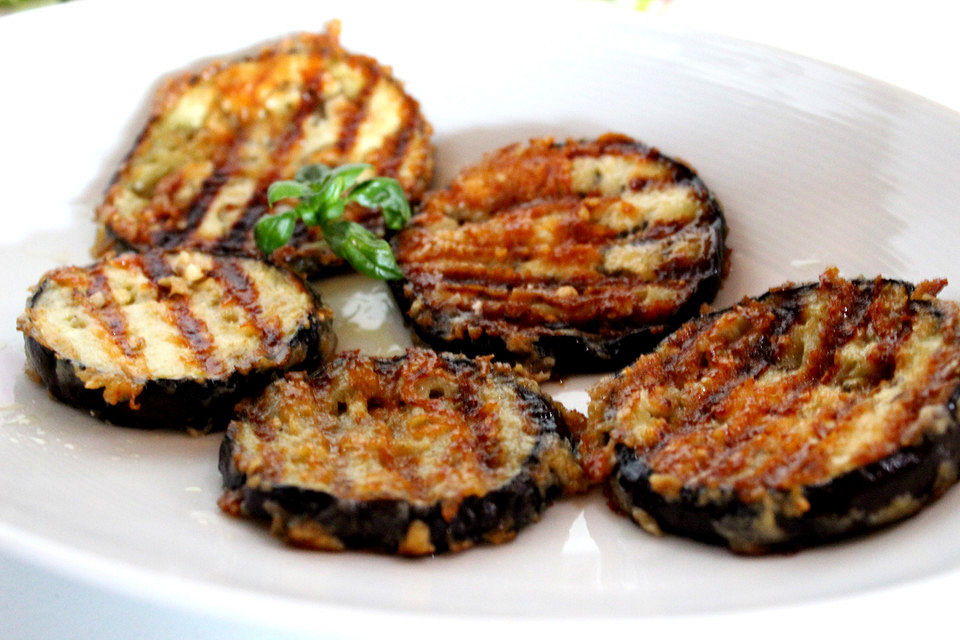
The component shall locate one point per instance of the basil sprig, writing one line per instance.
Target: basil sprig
(323, 194)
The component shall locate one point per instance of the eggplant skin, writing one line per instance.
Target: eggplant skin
(383, 525)
(170, 339)
(383, 519)
(203, 405)
(565, 350)
(861, 500)
(815, 425)
(566, 257)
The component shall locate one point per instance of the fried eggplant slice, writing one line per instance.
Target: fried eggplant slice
(418, 454)
(804, 415)
(170, 339)
(198, 174)
(575, 256)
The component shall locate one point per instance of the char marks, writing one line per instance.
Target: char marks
(791, 419)
(239, 288)
(170, 339)
(787, 390)
(236, 239)
(604, 242)
(356, 112)
(100, 303)
(753, 407)
(196, 336)
(416, 454)
(195, 212)
(405, 422)
(395, 147)
(198, 175)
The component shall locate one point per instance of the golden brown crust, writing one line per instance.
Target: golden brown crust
(786, 391)
(426, 428)
(436, 451)
(217, 138)
(804, 415)
(145, 327)
(593, 241)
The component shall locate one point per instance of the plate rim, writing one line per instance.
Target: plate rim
(114, 574)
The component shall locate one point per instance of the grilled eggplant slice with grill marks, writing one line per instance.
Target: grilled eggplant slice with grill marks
(807, 414)
(417, 454)
(198, 173)
(575, 256)
(170, 339)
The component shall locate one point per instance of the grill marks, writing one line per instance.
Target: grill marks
(798, 417)
(168, 298)
(496, 258)
(356, 112)
(604, 239)
(505, 251)
(198, 209)
(254, 131)
(100, 303)
(460, 421)
(192, 329)
(90, 291)
(483, 441)
(237, 238)
(395, 147)
(416, 454)
(753, 409)
(240, 289)
(422, 422)
(735, 406)
(560, 236)
(170, 339)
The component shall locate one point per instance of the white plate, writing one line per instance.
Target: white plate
(814, 166)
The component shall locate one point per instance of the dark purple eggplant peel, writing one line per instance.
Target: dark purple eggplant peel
(804, 415)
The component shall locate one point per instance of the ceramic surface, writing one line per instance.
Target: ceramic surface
(814, 166)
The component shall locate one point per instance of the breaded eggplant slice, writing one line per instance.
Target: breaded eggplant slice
(575, 256)
(170, 339)
(418, 454)
(807, 414)
(198, 174)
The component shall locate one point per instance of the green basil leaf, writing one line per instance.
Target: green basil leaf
(339, 180)
(312, 173)
(350, 172)
(384, 194)
(286, 189)
(367, 253)
(323, 196)
(334, 209)
(273, 231)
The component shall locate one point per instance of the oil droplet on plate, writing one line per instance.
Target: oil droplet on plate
(365, 317)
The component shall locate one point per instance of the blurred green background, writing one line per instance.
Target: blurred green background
(14, 5)
(9, 6)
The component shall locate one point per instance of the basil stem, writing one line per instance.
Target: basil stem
(384, 194)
